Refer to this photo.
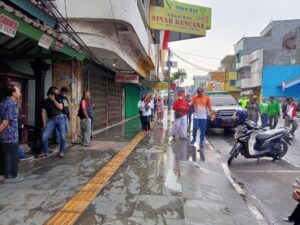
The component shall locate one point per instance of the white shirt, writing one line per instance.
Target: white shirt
(141, 106)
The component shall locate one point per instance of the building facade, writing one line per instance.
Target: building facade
(253, 53)
(120, 40)
(82, 50)
(199, 81)
(28, 45)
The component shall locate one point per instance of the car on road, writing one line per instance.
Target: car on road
(224, 105)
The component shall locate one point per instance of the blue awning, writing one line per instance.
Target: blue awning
(292, 82)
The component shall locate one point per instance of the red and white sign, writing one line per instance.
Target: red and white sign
(8, 26)
(58, 46)
(127, 78)
(45, 41)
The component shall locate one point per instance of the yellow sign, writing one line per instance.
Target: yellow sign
(159, 86)
(176, 20)
(195, 9)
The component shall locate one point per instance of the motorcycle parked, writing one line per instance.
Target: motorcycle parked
(270, 143)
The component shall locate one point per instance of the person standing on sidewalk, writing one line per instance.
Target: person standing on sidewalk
(181, 108)
(253, 109)
(140, 110)
(273, 112)
(9, 136)
(263, 106)
(86, 114)
(202, 104)
(160, 110)
(66, 112)
(290, 116)
(146, 109)
(52, 109)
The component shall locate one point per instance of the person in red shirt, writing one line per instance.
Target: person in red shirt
(181, 108)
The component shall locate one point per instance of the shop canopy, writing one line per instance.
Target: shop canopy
(22, 37)
(291, 82)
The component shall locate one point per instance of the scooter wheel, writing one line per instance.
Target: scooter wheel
(283, 150)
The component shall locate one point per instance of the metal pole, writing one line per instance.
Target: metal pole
(169, 78)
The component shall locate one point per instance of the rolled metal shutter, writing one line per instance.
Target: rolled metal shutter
(98, 89)
(115, 101)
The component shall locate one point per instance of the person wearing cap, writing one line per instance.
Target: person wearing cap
(181, 109)
(201, 104)
(253, 109)
(66, 112)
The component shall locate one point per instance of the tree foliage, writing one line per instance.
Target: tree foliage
(177, 75)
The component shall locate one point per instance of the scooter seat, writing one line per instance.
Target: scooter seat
(268, 134)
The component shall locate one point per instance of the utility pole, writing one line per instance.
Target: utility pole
(169, 78)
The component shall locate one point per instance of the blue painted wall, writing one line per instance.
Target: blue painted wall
(273, 76)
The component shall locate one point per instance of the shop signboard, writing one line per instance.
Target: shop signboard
(194, 9)
(172, 64)
(176, 20)
(218, 76)
(45, 41)
(8, 26)
(127, 78)
(159, 86)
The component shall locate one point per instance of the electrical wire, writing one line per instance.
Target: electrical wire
(68, 30)
(193, 64)
(202, 56)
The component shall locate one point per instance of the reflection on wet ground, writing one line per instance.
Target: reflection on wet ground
(161, 182)
(167, 182)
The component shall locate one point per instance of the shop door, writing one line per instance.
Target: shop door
(132, 97)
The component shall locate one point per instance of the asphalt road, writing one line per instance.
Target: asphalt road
(267, 184)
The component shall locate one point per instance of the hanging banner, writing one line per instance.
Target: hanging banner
(176, 20)
(45, 41)
(159, 86)
(126, 78)
(194, 9)
(8, 26)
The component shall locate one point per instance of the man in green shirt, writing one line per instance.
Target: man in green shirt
(263, 106)
(273, 112)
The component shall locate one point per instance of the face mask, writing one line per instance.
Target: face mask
(180, 97)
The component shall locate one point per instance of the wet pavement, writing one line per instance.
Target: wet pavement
(267, 184)
(161, 182)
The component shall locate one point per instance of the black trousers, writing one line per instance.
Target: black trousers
(141, 116)
(146, 123)
(9, 159)
(295, 216)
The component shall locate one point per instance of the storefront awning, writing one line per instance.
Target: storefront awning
(15, 25)
(291, 82)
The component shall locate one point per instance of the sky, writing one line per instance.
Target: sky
(231, 20)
